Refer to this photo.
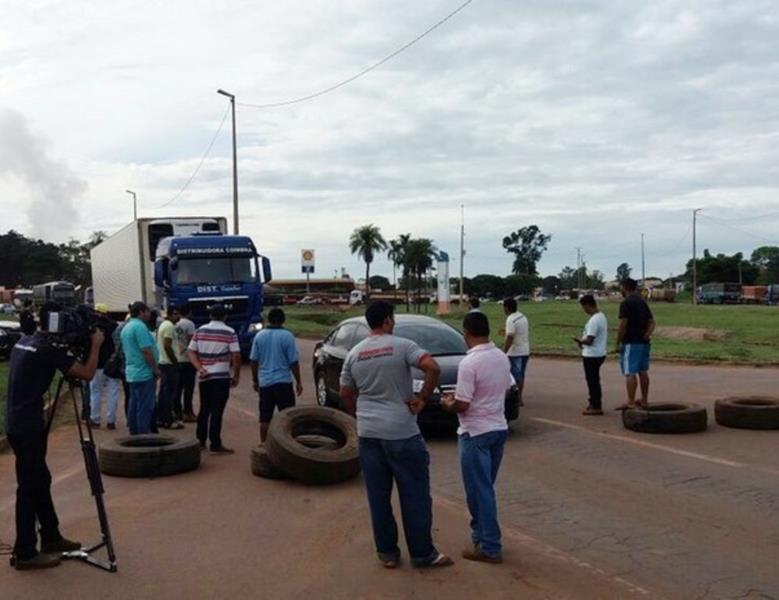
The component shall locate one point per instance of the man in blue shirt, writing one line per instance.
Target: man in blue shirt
(273, 357)
(141, 371)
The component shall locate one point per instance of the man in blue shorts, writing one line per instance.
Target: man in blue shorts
(517, 344)
(636, 325)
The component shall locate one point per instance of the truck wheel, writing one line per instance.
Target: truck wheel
(320, 465)
(262, 466)
(148, 455)
(753, 412)
(666, 417)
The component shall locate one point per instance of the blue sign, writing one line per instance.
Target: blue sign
(305, 269)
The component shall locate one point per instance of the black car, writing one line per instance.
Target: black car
(10, 333)
(441, 340)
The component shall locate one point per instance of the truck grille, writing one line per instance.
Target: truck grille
(234, 305)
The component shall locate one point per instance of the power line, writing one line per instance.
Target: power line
(200, 164)
(734, 228)
(374, 66)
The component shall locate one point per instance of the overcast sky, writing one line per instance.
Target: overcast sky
(596, 120)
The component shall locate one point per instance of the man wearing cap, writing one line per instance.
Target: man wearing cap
(141, 371)
(216, 356)
(102, 381)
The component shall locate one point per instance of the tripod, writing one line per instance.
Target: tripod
(93, 476)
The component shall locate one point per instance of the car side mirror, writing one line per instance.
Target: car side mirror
(267, 275)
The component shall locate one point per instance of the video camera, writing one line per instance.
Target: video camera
(73, 326)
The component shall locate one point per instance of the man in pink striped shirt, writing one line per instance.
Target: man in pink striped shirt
(483, 377)
(216, 356)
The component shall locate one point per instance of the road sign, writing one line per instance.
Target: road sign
(307, 261)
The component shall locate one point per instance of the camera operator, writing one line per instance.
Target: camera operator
(34, 361)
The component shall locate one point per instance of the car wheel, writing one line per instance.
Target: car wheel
(322, 395)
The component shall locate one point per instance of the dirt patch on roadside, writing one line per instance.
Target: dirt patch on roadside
(691, 334)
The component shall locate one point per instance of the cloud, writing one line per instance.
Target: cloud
(51, 187)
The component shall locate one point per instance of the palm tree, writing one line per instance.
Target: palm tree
(420, 255)
(397, 254)
(365, 242)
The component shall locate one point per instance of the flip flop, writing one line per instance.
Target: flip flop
(626, 406)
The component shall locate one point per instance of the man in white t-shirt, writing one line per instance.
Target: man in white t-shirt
(517, 344)
(594, 345)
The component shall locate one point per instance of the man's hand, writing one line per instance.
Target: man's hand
(156, 373)
(415, 404)
(256, 386)
(234, 381)
(578, 342)
(299, 389)
(447, 401)
(97, 337)
(202, 372)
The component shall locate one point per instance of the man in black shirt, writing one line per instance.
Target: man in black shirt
(636, 325)
(34, 362)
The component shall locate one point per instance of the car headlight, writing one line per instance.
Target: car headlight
(255, 327)
(418, 384)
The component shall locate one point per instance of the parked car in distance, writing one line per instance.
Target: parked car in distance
(10, 333)
(7, 309)
(440, 339)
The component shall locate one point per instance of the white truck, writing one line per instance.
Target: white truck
(123, 264)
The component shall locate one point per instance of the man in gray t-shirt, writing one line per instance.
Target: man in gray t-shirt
(377, 386)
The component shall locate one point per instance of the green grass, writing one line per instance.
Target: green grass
(748, 332)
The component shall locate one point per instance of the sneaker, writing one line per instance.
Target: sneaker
(58, 546)
(479, 556)
(190, 418)
(592, 411)
(112, 426)
(39, 561)
(222, 450)
(95, 424)
(176, 425)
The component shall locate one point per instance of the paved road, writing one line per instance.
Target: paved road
(589, 510)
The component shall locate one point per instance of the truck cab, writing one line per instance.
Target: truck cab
(205, 269)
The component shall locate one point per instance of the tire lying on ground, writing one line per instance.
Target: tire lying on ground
(752, 412)
(666, 417)
(317, 465)
(263, 467)
(148, 455)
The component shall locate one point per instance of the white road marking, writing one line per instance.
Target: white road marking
(636, 442)
(552, 552)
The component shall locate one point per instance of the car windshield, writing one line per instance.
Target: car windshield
(438, 340)
(216, 270)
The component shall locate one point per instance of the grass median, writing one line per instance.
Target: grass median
(701, 334)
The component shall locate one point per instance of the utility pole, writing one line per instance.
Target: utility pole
(694, 257)
(135, 204)
(235, 163)
(643, 265)
(462, 255)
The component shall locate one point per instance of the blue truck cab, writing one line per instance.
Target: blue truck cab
(206, 269)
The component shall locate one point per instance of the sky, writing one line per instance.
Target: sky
(596, 120)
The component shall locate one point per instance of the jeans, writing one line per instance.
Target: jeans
(33, 494)
(169, 384)
(480, 458)
(592, 365)
(213, 399)
(407, 463)
(139, 418)
(185, 389)
(99, 381)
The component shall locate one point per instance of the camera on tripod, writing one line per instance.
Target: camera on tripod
(73, 326)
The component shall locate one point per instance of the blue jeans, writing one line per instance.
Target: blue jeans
(139, 416)
(407, 463)
(99, 382)
(480, 458)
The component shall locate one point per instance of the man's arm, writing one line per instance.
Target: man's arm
(195, 360)
(87, 370)
(255, 374)
(621, 331)
(349, 397)
(148, 355)
(508, 343)
(235, 359)
(168, 347)
(295, 368)
(650, 329)
(430, 368)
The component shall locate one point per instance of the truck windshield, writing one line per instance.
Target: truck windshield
(216, 270)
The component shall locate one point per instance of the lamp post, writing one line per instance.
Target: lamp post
(235, 163)
(135, 204)
(694, 257)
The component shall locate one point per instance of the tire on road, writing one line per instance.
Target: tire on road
(262, 466)
(148, 455)
(320, 465)
(666, 417)
(751, 412)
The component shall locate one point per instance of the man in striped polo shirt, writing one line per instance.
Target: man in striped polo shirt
(216, 355)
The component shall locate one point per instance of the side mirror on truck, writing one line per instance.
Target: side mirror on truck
(267, 275)
(161, 273)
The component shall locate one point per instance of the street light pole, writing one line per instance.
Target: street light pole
(135, 204)
(235, 162)
(643, 264)
(694, 257)
(460, 304)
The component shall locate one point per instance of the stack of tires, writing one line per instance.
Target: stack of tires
(314, 445)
